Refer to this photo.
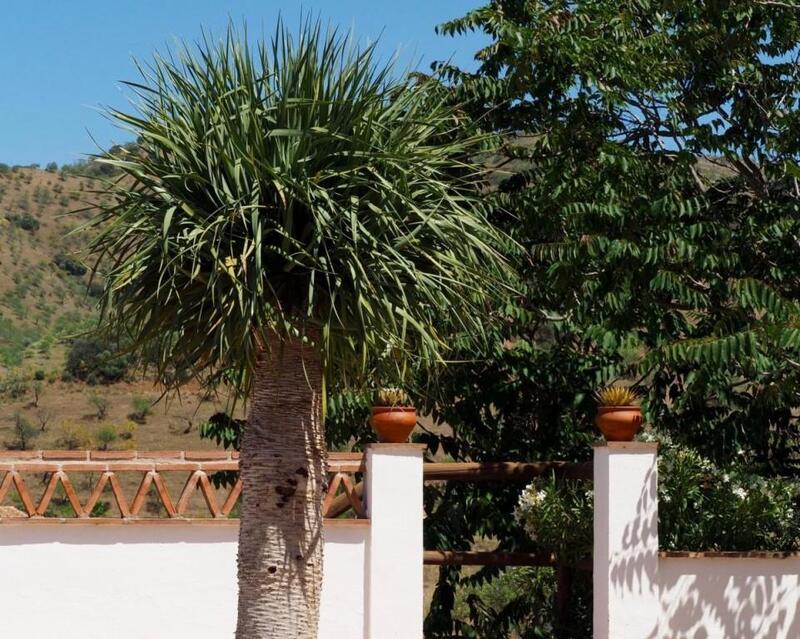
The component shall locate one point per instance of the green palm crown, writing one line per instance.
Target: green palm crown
(298, 188)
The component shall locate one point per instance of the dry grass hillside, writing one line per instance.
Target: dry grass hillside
(40, 301)
(44, 304)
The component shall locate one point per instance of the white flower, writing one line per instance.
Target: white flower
(740, 492)
(648, 436)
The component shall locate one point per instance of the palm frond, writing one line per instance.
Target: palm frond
(297, 186)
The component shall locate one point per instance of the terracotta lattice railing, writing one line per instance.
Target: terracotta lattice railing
(139, 486)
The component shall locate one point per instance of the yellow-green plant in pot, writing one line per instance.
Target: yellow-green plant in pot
(392, 417)
(619, 416)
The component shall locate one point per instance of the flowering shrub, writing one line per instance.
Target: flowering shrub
(558, 516)
(701, 507)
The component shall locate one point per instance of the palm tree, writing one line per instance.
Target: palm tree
(291, 213)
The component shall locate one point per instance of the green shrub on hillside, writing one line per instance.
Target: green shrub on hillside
(100, 403)
(105, 436)
(14, 385)
(127, 431)
(96, 361)
(14, 340)
(23, 203)
(69, 265)
(142, 407)
(72, 323)
(42, 195)
(73, 436)
(91, 168)
(24, 221)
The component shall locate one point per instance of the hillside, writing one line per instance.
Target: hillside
(40, 301)
(44, 305)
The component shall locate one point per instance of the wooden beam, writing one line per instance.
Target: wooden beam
(471, 558)
(504, 471)
(342, 503)
(730, 554)
(135, 521)
(480, 471)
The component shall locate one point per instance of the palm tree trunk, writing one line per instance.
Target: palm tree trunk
(283, 470)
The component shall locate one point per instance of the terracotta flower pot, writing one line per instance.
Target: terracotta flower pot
(393, 424)
(619, 423)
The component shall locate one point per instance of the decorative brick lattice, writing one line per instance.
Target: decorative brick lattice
(31, 482)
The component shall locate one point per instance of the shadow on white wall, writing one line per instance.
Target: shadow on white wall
(634, 566)
(643, 594)
(716, 598)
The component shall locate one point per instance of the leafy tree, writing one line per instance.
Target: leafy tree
(24, 433)
(648, 174)
(37, 387)
(44, 416)
(100, 403)
(292, 214)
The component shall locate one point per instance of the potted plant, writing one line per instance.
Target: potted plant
(619, 416)
(392, 417)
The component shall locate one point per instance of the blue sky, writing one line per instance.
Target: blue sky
(60, 61)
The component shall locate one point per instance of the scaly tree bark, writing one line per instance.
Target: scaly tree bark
(283, 470)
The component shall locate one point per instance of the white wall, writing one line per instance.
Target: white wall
(167, 581)
(722, 598)
(395, 582)
(639, 594)
(625, 558)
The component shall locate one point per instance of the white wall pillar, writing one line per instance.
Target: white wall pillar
(626, 604)
(394, 565)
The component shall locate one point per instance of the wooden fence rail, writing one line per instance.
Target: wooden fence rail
(345, 491)
(479, 471)
(497, 558)
(471, 558)
(127, 479)
(505, 471)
